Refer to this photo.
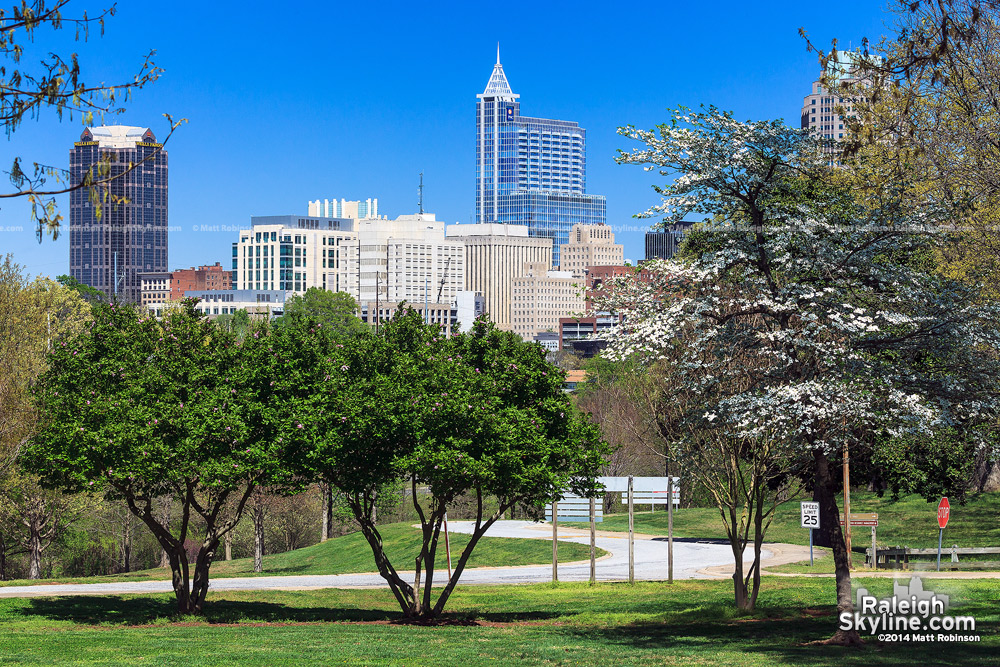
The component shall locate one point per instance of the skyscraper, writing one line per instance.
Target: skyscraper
(827, 111)
(530, 171)
(108, 250)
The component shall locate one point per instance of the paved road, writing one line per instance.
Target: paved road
(650, 564)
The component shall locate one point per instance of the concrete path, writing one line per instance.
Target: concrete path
(692, 560)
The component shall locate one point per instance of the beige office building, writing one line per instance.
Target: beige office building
(828, 110)
(496, 254)
(590, 245)
(541, 297)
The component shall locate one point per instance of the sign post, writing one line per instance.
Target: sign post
(810, 520)
(555, 543)
(670, 529)
(631, 533)
(865, 519)
(944, 513)
(593, 544)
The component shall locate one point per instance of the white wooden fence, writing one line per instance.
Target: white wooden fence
(650, 491)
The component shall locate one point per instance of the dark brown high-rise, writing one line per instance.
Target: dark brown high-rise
(119, 229)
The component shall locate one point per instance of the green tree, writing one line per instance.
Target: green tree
(331, 309)
(142, 409)
(37, 517)
(33, 316)
(237, 323)
(480, 413)
(86, 291)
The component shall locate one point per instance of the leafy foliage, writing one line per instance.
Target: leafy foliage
(332, 309)
(480, 412)
(138, 409)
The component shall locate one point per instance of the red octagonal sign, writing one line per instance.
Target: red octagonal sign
(944, 512)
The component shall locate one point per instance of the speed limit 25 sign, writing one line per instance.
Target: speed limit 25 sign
(810, 514)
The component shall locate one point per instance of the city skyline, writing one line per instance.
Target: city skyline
(282, 126)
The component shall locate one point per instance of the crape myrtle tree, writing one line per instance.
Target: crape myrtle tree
(142, 409)
(844, 336)
(480, 413)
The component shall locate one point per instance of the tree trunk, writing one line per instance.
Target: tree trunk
(229, 545)
(164, 519)
(758, 541)
(200, 588)
(737, 545)
(830, 525)
(257, 513)
(34, 551)
(327, 501)
(463, 559)
(127, 543)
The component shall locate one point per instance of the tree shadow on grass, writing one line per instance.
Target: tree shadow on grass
(781, 641)
(145, 610)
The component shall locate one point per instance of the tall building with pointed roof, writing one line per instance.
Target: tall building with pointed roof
(530, 171)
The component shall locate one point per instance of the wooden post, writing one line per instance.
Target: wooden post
(631, 533)
(670, 529)
(555, 544)
(593, 543)
(874, 553)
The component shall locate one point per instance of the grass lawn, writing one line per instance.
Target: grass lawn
(910, 521)
(689, 622)
(351, 553)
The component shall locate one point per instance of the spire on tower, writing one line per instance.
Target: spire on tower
(498, 86)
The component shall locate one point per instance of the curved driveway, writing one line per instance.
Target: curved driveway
(690, 558)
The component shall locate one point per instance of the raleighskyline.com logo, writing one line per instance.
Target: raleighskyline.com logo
(910, 614)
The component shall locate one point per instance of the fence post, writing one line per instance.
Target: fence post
(555, 544)
(593, 544)
(631, 533)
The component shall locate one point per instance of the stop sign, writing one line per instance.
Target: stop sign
(944, 512)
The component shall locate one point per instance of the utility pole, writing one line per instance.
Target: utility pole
(444, 278)
(847, 503)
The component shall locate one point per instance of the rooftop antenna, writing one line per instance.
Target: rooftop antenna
(420, 193)
(498, 53)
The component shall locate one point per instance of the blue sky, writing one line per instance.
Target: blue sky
(321, 100)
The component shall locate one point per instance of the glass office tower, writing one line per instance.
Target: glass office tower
(530, 171)
(119, 229)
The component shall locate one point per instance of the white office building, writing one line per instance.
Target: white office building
(294, 253)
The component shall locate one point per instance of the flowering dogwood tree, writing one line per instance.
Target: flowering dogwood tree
(841, 333)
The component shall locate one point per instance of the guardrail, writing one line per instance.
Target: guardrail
(904, 558)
